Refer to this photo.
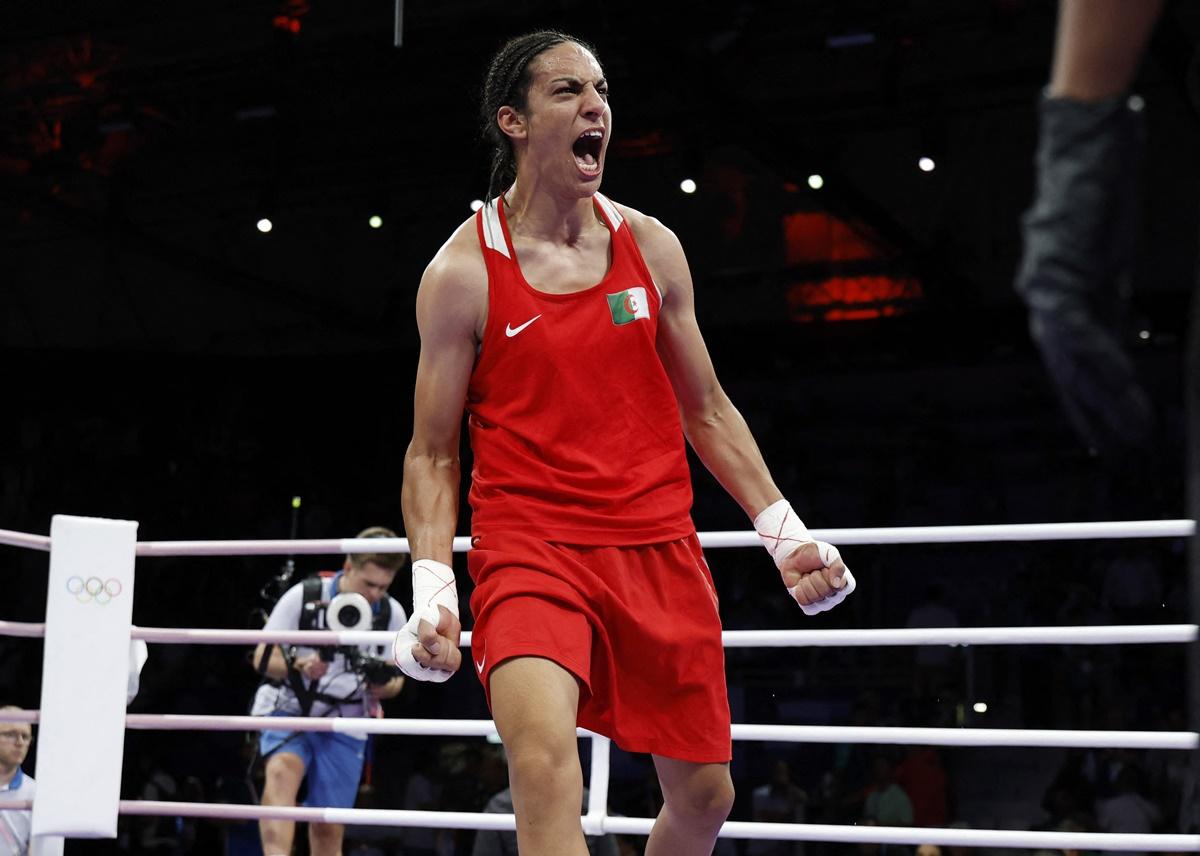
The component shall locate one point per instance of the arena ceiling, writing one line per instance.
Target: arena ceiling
(142, 141)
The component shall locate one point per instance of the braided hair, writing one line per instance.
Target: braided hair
(507, 83)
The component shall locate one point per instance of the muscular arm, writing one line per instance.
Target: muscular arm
(1098, 46)
(451, 306)
(713, 426)
(448, 305)
(711, 423)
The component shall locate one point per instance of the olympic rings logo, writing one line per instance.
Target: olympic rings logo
(94, 589)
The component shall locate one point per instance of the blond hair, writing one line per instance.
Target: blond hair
(388, 561)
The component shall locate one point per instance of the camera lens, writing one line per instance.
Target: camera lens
(349, 611)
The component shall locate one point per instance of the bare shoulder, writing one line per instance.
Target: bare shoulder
(660, 248)
(455, 281)
(652, 236)
(459, 263)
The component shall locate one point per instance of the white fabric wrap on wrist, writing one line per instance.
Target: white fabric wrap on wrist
(782, 533)
(433, 586)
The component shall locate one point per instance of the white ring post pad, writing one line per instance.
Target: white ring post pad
(433, 586)
(85, 673)
(782, 533)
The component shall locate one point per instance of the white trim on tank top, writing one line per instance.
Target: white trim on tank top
(493, 232)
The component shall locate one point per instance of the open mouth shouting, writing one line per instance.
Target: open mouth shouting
(587, 148)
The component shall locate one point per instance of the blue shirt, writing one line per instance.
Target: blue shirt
(15, 824)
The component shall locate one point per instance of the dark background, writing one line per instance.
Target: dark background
(164, 361)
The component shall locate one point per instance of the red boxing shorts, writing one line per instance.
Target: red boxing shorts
(638, 626)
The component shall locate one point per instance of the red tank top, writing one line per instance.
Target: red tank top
(573, 422)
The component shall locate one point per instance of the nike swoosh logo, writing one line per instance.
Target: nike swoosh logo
(479, 665)
(510, 330)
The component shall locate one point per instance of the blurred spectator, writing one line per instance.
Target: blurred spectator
(937, 669)
(778, 801)
(158, 834)
(421, 794)
(851, 774)
(235, 786)
(490, 842)
(923, 778)
(1070, 792)
(471, 774)
(1128, 810)
(1133, 586)
(886, 804)
(370, 839)
(1171, 777)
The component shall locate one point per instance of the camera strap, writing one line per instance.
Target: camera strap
(305, 695)
(312, 614)
(265, 659)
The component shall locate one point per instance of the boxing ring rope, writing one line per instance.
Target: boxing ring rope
(834, 734)
(878, 535)
(597, 821)
(835, 833)
(1115, 634)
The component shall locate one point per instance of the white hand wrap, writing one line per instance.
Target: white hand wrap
(433, 586)
(782, 533)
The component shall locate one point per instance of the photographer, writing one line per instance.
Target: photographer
(341, 681)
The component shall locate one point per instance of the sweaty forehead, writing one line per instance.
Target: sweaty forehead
(567, 60)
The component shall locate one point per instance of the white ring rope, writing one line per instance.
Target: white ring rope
(749, 538)
(975, 534)
(1116, 634)
(30, 630)
(892, 736)
(24, 539)
(1131, 634)
(1121, 634)
(768, 733)
(911, 835)
(1012, 737)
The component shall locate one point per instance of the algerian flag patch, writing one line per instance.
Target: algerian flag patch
(628, 305)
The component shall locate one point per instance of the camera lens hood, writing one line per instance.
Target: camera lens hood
(348, 611)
